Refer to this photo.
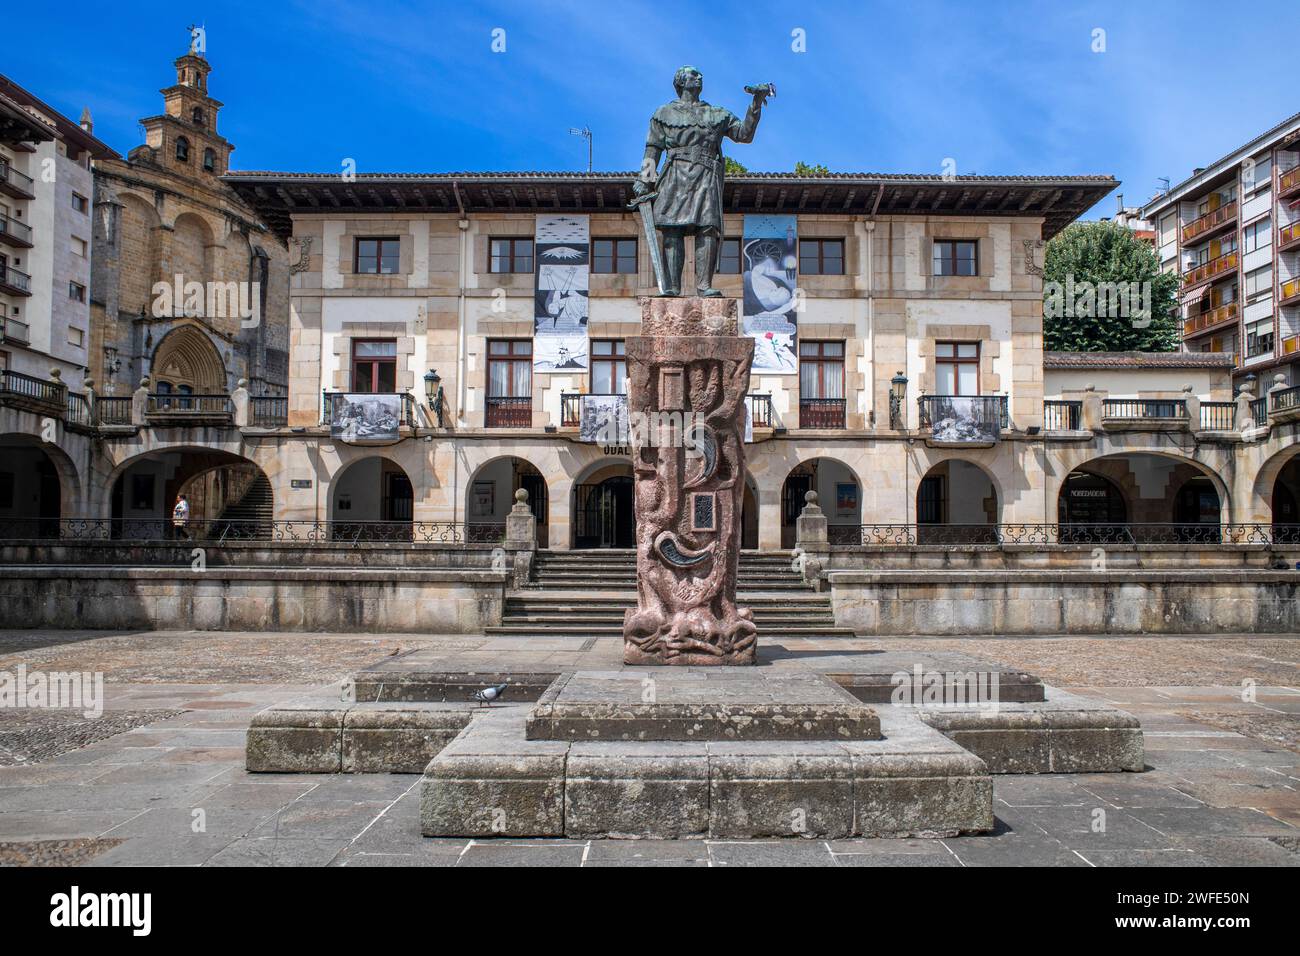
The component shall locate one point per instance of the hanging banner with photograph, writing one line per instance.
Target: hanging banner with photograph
(363, 417)
(604, 419)
(958, 419)
(562, 264)
(770, 260)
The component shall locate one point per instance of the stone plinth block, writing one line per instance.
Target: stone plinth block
(660, 792)
(290, 740)
(686, 705)
(688, 375)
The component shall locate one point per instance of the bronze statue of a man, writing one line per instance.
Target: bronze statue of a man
(688, 190)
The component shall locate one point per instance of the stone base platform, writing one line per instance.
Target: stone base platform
(699, 703)
(493, 781)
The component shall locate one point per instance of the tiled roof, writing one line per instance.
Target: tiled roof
(1137, 360)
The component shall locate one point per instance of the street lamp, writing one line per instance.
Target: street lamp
(897, 395)
(433, 393)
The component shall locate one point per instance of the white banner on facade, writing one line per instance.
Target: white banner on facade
(562, 264)
(770, 260)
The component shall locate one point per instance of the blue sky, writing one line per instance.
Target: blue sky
(1000, 88)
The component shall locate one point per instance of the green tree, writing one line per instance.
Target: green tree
(734, 168)
(1103, 291)
(803, 169)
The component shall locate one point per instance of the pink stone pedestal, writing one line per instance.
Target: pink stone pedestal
(688, 377)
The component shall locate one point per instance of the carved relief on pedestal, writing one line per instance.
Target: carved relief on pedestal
(688, 377)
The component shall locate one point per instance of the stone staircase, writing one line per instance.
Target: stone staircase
(585, 593)
(255, 505)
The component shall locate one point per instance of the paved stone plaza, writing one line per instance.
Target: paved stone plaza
(1221, 785)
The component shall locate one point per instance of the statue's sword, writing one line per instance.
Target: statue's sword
(646, 206)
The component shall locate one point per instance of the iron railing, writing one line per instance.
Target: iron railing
(183, 405)
(16, 180)
(1259, 410)
(113, 409)
(570, 409)
(219, 531)
(268, 411)
(821, 412)
(79, 410)
(1044, 534)
(490, 532)
(21, 232)
(1286, 399)
(1059, 416)
(1218, 416)
(760, 410)
(16, 279)
(32, 388)
(508, 411)
(1211, 220)
(1142, 409)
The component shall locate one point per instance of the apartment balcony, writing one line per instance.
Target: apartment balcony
(963, 419)
(34, 394)
(1144, 414)
(1289, 183)
(1290, 292)
(113, 409)
(1210, 319)
(14, 233)
(760, 410)
(821, 412)
(1284, 405)
(508, 412)
(1062, 416)
(1214, 221)
(11, 330)
(13, 282)
(268, 411)
(1291, 345)
(15, 184)
(1210, 270)
(176, 408)
(1289, 236)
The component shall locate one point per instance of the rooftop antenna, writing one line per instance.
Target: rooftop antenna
(1164, 184)
(585, 133)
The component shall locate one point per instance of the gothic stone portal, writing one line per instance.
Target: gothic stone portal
(688, 376)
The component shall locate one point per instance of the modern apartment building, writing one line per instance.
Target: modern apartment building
(46, 190)
(1232, 232)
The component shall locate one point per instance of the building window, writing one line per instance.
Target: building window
(510, 383)
(821, 257)
(209, 160)
(377, 256)
(1258, 235)
(1259, 282)
(182, 149)
(374, 365)
(4, 361)
(729, 261)
(821, 384)
(956, 368)
(608, 367)
(1259, 337)
(614, 256)
(76, 292)
(79, 247)
(77, 338)
(80, 203)
(956, 257)
(511, 255)
(1258, 174)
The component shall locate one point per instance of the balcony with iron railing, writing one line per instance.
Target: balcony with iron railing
(1259, 411)
(1211, 222)
(15, 184)
(176, 408)
(1210, 270)
(1285, 403)
(1218, 416)
(78, 411)
(1289, 236)
(331, 400)
(1210, 319)
(14, 282)
(1289, 182)
(113, 409)
(28, 391)
(15, 233)
(268, 411)
(508, 411)
(821, 412)
(986, 414)
(1122, 414)
(760, 410)
(1062, 416)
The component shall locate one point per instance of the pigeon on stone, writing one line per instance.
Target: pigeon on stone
(489, 694)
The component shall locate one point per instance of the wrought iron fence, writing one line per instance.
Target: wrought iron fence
(760, 409)
(821, 412)
(570, 409)
(1286, 399)
(113, 409)
(268, 411)
(509, 412)
(1218, 416)
(1062, 416)
(30, 387)
(1259, 410)
(219, 531)
(1144, 408)
(78, 410)
(181, 404)
(998, 535)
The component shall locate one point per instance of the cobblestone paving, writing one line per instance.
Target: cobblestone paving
(1218, 790)
(29, 736)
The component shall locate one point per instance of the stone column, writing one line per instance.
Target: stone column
(812, 538)
(521, 539)
(140, 402)
(239, 399)
(1245, 417)
(1091, 409)
(1193, 404)
(688, 376)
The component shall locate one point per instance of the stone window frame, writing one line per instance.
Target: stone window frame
(341, 377)
(955, 240)
(379, 254)
(821, 241)
(616, 257)
(990, 383)
(512, 271)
